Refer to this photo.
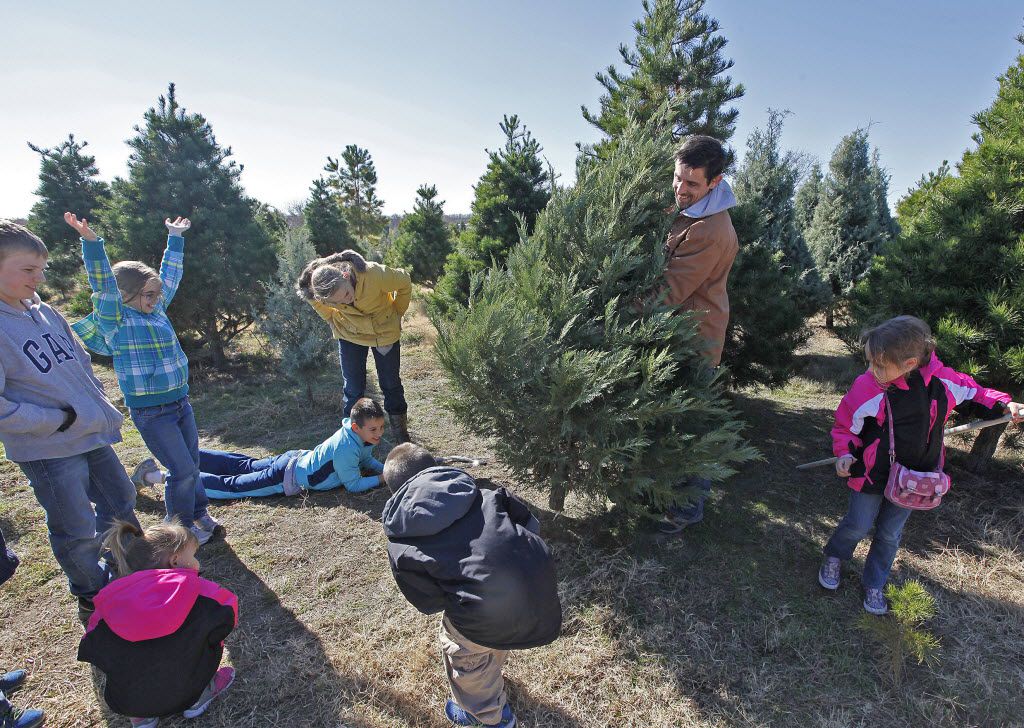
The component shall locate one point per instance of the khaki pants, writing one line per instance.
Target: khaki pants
(474, 673)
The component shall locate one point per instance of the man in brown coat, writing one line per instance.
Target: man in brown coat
(699, 253)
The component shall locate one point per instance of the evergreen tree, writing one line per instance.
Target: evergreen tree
(354, 178)
(959, 261)
(879, 178)
(582, 380)
(270, 219)
(807, 198)
(846, 231)
(177, 168)
(512, 191)
(423, 240)
(677, 55)
(289, 323)
(67, 182)
(766, 183)
(325, 223)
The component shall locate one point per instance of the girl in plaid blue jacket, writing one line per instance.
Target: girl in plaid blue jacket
(129, 323)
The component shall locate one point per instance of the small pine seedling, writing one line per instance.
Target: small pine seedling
(902, 635)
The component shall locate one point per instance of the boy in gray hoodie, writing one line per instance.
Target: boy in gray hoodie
(56, 422)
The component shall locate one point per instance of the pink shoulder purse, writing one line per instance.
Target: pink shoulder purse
(911, 488)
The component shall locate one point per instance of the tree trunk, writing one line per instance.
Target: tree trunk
(556, 498)
(213, 340)
(984, 448)
(830, 322)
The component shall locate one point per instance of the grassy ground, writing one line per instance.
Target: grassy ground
(723, 626)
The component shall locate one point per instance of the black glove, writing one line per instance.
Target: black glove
(69, 418)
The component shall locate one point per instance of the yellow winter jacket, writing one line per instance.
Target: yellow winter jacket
(375, 317)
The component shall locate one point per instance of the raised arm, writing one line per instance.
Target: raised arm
(172, 266)
(106, 298)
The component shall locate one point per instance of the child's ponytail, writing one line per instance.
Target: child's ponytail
(136, 550)
(323, 276)
(117, 540)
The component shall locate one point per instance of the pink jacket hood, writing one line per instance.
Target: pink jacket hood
(154, 603)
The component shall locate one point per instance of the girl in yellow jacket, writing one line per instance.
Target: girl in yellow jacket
(363, 302)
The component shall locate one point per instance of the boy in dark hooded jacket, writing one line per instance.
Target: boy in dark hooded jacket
(476, 556)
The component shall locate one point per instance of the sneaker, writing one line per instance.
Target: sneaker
(211, 524)
(144, 722)
(676, 518)
(460, 717)
(12, 717)
(221, 682)
(874, 602)
(12, 680)
(828, 574)
(201, 534)
(143, 469)
(85, 609)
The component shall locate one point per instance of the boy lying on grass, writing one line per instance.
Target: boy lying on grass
(339, 461)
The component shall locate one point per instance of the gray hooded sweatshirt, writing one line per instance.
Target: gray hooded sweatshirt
(43, 368)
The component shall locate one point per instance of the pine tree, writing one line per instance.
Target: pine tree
(582, 379)
(289, 323)
(354, 178)
(177, 168)
(808, 195)
(879, 178)
(846, 231)
(67, 182)
(325, 223)
(423, 240)
(959, 261)
(677, 55)
(766, 183)
(513, 190)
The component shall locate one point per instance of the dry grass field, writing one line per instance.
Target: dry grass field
(724, 625)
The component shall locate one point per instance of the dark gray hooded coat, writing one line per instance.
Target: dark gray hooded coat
(474, 554)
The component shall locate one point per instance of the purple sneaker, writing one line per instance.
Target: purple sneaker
(874, 602)
(828, 574)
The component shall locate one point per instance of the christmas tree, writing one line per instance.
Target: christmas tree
(290, 324)
(959, 261)
(424, 240)
(513, 190)
(325, 223)
(177, 168)
(847, 229)
(67, 183)
(353, 177)
(568, 357)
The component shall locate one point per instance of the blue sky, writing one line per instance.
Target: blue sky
(423, 85)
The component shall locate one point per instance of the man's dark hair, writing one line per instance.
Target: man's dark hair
(702, 151)
(366, 409)
(404, 461)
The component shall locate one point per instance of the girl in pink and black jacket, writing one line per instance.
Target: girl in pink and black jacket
(922, 393)
(158, 630)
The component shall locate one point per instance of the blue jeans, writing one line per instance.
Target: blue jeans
(353, 371)
(233, 475)
(67, 488)
(169, 431)
(867, 510)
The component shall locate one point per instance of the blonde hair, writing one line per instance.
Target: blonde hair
(132, 276)
(136, 550)
(322, 277)
(15, 237)
(899, 339)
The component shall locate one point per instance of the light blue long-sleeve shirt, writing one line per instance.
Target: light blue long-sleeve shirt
(339, 460)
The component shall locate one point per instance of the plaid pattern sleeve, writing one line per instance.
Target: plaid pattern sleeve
(97, 330)
(172, 267)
